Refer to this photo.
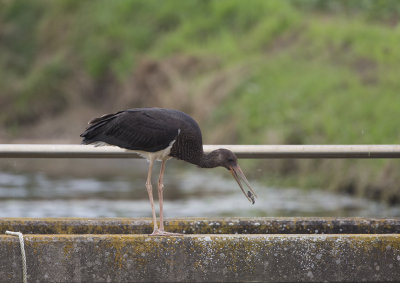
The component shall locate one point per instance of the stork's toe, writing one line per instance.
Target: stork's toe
(159, 232)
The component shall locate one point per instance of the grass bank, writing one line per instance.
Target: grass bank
(269, 72)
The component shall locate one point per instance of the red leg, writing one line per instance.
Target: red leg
(161, 231)
(160, 194)
(150, 193)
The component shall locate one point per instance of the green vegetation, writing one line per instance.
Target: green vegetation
(291, 72)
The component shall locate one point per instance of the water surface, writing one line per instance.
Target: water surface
(188, 193)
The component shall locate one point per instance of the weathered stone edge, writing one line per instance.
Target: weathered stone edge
(127, 258)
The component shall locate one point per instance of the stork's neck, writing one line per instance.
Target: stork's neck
(209, 160)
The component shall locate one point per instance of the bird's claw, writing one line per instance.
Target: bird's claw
(159, 232)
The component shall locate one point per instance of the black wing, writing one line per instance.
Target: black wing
(137, 129)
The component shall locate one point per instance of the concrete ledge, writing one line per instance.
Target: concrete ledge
(202, 257)
(259, 225)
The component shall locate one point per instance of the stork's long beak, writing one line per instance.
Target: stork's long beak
(239, 176)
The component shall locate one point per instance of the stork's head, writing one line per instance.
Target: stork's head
(228, 159)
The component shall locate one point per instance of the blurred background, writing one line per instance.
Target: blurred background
(250, 72)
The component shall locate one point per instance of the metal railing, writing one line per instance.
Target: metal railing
(242, 151)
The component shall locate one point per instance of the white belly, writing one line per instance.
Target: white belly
(157, 155)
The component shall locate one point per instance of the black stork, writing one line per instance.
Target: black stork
(160, 134)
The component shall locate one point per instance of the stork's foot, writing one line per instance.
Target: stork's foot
(159, 232)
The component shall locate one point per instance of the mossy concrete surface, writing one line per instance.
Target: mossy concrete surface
(202, 257)
(254, 225)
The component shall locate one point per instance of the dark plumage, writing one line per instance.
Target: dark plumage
(150, 130)
(159, 134)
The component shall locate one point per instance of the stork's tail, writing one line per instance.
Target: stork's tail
(91, 132)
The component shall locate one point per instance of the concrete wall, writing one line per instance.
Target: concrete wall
(119, 257)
